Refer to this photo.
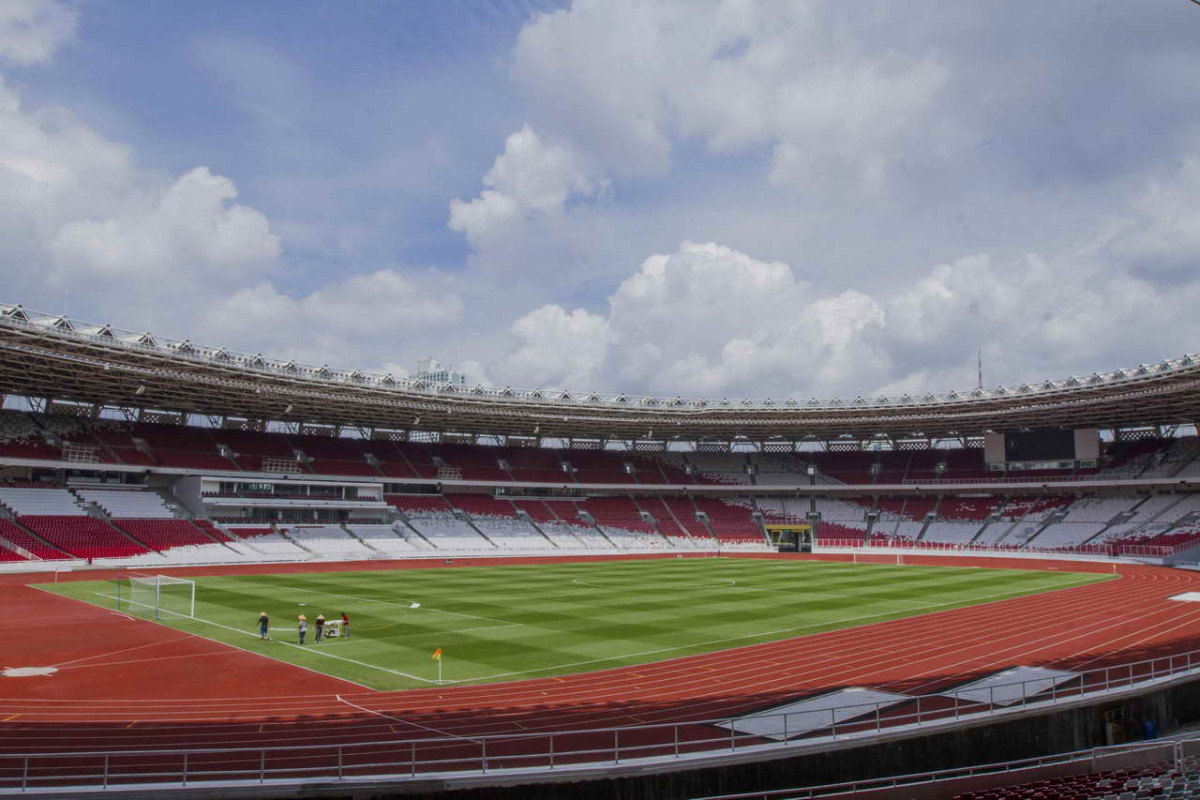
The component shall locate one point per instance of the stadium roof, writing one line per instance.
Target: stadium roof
(51, 356)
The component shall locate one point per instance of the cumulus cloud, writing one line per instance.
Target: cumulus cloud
(53, 169)
(190, 234)
(1163, 240)
(362, 314)
(565, 348)
(706, 319)
(627, 79)
(530, 178)
(709, 320)
(80, 217)
(32, 30)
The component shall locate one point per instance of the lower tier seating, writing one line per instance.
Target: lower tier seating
(83, 537)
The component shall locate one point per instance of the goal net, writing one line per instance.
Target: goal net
(161, 596)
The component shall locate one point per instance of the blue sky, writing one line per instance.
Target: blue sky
(720, 197)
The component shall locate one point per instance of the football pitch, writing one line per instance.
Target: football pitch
(501, 623)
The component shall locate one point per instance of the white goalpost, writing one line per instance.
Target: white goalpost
(163, 595)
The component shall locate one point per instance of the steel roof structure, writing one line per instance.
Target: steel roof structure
(51, 356)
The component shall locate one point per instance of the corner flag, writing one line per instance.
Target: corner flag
(437, 654)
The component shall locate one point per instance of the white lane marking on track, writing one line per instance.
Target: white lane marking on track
(118, 652)
(147, 660)
(402, 721)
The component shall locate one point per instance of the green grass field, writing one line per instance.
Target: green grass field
(499, 623)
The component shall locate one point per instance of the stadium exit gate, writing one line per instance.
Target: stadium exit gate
(795, 537)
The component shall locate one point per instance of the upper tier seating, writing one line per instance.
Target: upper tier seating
(597, 466)
(27, 435)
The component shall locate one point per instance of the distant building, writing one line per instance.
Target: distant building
(434, 371)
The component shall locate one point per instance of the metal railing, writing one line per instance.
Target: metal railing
(558, 750)
(1167, 753)
(914, 547)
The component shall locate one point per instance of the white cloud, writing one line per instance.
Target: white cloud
(359, 321)
(190, 235)
(559, 347)
(1163, 240)
(529, 179)
(625, 80)
(708, 320)
(704, 320)
(78, 217)
(370, 305)
(32, 30)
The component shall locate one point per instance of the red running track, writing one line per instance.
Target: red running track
(131, 684)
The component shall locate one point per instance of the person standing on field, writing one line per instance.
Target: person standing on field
(303, 627)
(320, 627)
(264, 626)
(345, 625)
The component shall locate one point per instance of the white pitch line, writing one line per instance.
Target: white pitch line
(641, 584)
(202, 637)
(406, 604)
(309, 650)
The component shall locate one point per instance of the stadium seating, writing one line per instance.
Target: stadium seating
(1154, 781)
(55, 516)
(40, 502)
(498, 521)
(732, 525)
(565, 532)
(23, 539)
(1099, 522)
(268, 542)
(27, 435)
(328, 541)
(81, 536)
(385, 539)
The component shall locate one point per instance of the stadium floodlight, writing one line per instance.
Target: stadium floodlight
(159, 596)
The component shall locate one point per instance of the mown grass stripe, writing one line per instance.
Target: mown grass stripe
(512, 621)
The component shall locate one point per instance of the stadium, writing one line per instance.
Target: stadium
(600, 595)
